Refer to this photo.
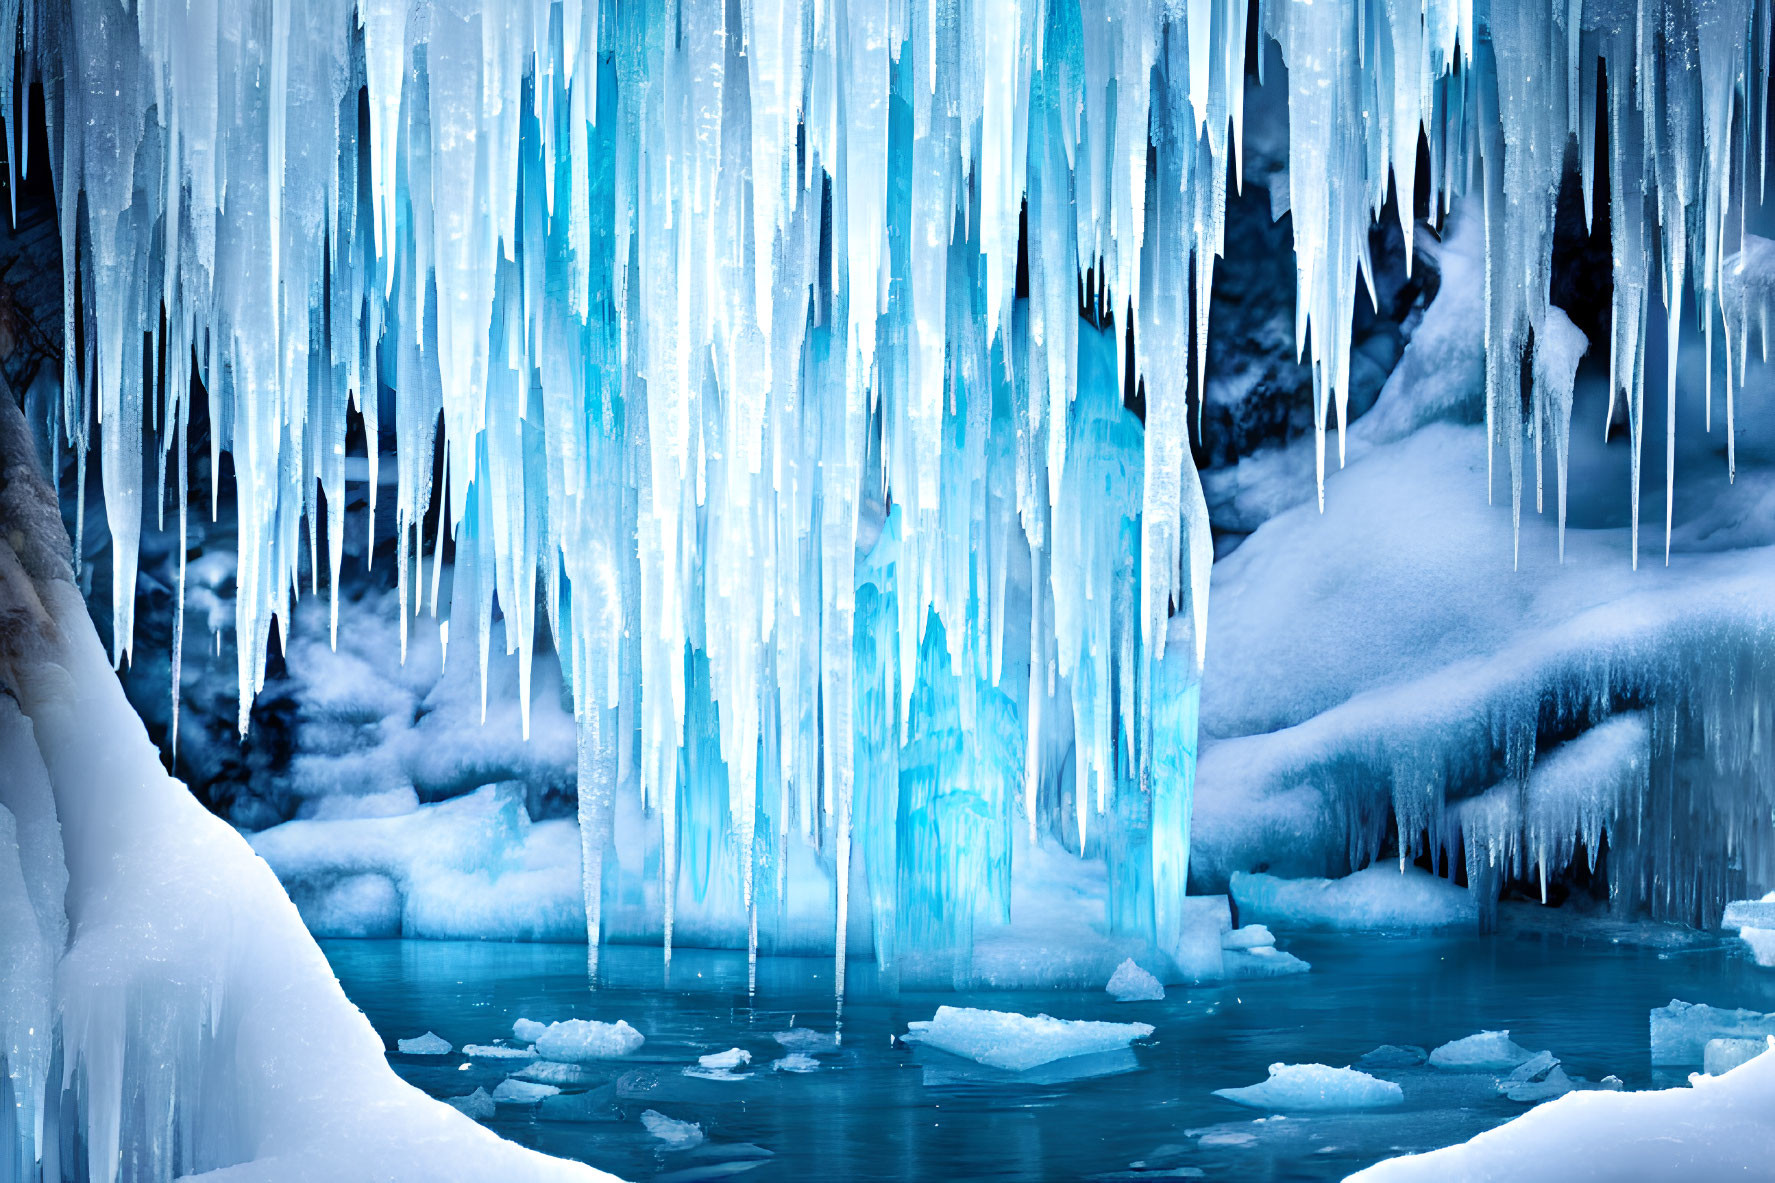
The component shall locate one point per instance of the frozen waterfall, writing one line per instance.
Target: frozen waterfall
(781, 359)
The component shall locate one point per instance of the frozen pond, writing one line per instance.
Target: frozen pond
(878, 1111)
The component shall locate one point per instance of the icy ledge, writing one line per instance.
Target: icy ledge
(197, 1028)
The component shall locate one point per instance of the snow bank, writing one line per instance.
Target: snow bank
(1381, 897)
(1312, 1088)
(186, 974)
(1015, 1042)
(1720, 1127)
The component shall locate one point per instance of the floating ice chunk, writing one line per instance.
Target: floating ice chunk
(1532, 1092)
(677, 1135)
(796, 1062)
(1536, 1067)
(1762, 944)
(429, 1044)
(1251, 936)
(1393, 1055)
(497, 1051)
(553, 1072)
(1742, 914)
(1316, 1087)
(1381, 897)
(1130, 983)
(528, 1030)
(578, 1040)
(1226, 1138)
(805, 1039)
(477, 1104)
(1722, 1055)
(1681, 1030)
(733, 1057)
(1015, 1042)
(1488, 1051)
(1264, 961)
(512, 1091)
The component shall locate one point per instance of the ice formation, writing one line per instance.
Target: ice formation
(780, 353)
(1380, 897)
(1017, 1043)
(1310, 1088)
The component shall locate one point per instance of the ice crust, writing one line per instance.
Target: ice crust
(1016, 1042)
(1311, 1088)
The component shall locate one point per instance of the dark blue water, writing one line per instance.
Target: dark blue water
(879, 1112)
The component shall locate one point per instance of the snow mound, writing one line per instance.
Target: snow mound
(677, 1135)
(1309, 1088)
(1487, 1051)
(1015, 1042)
(429, 1044)
(580, 1040)
(1130, 983)
(1380, 897)
(1681, 1030)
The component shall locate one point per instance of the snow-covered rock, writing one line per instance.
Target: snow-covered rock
(1015, 1042)
(1308, 1088)
(1130, 983)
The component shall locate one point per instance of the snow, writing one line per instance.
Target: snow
(429, 1044)
(1487, 1051)
(677, 1135)
(1130, 983)
(1681, 1030)
(174, 929)
(1382, 897)
(1719, 1127)
(1311, 1088)
(1016, 1042)
(582, 1040)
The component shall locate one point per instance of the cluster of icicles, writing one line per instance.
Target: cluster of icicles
(755, 331)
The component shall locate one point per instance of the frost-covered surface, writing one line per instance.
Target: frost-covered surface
(182, 971)
(1309, 1088)
(1016, 1042)
(1720, 1127)
(1380, 897)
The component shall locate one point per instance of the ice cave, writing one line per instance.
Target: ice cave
(1103, 590)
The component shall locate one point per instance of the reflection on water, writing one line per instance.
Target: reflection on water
(880, 1111)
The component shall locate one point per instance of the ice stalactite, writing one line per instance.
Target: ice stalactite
(784, 352)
